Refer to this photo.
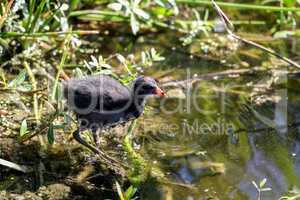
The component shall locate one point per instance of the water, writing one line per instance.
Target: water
(214, 138)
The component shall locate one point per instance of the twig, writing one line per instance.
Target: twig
(53, 34)
(5, 13)
(270, 51)
(229, 28)
(14, 166)
(60, 67)
(183, 185)
(35, 98)
(209, 76)
(34, 88)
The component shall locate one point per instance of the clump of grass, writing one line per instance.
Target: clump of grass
(140, 168)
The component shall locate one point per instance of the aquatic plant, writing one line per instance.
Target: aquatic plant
(260, 188)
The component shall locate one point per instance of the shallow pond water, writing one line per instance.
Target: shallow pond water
(213, 138)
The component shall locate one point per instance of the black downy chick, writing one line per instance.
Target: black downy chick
(102, 102)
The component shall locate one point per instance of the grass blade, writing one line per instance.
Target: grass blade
(23, 129)
(18, 80)
(37, 15)
(50, 134)
(13, 166)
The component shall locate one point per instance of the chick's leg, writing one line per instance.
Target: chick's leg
(78, 138)
(96, 138)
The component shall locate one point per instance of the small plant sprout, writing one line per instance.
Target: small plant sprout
(132, 9)
(128, 194)
(197, 26)
(294, 194)
(148, 57)
(19, 79)
(261, 187)
(294, 197)
(167, 4)
(99, 64)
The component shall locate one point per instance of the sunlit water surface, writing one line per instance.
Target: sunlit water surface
(214, 138)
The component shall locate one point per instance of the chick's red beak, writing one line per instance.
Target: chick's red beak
(159, 92)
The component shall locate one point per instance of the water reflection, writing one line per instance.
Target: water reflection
(260, 143)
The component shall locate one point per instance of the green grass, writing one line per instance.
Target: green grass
(240, 6)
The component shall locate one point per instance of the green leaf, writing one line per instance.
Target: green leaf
(266, 189)
(141, 13)
(283, 34)
(37, 15)
(130, 192)
(50, 134)
(289, 3)
(137, 2)
(155, 56)
(119, 190)
(175, 8)
(18, 80)
(74, 4)
(78, 73)
(124, 3)
(144, 57)
(255, 185)
(23, 128)
(58, 92)
(115, 6)
(104, 71)
(121, 58)
(134, 24)
(160, 3)
(262, 183)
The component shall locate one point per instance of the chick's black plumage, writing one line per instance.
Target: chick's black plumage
(98, 100)
(88, 89)
(101, 101)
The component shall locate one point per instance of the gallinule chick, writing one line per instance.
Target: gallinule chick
(102, 102)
